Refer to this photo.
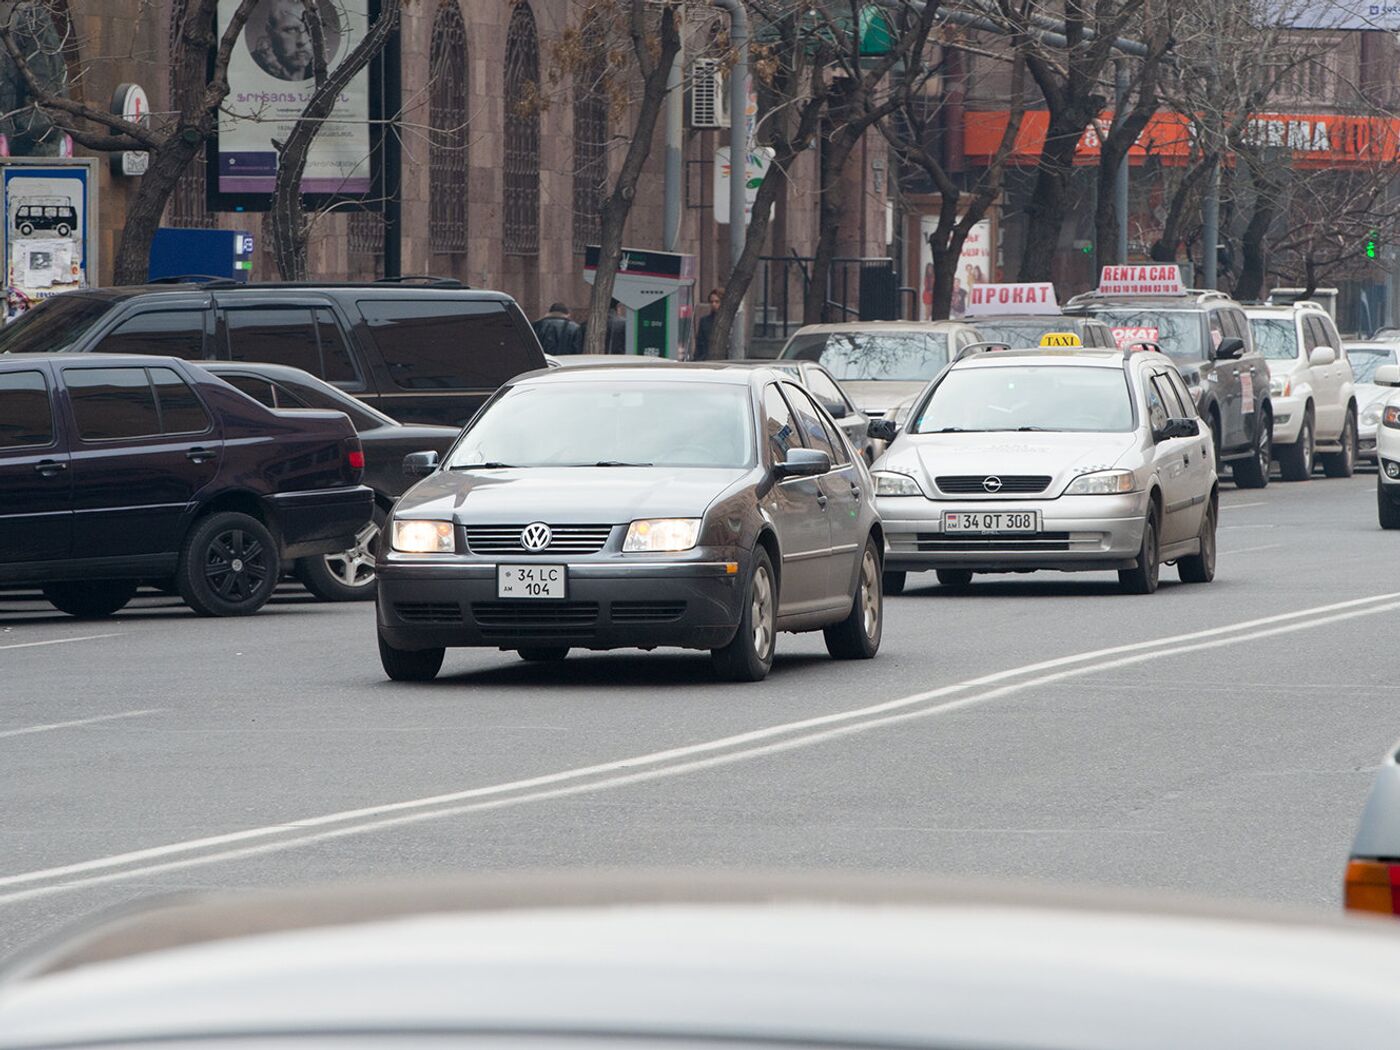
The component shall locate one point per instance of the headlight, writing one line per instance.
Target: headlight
(1104, 483)
(662, 534)
(424, 537)
(1371, 416)
(1280, 386)
(1391, 416)
(892, 483)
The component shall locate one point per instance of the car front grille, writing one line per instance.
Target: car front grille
(647, 612)
(975, 484)
(565, 539)
(535, 619)
(428, 612)
(939, 543)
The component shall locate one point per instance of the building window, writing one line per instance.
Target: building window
(188, 206)
(590, 150)
(522, 120)
(447, 119)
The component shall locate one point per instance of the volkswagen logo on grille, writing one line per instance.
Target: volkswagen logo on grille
(536, 537)
(992, 483)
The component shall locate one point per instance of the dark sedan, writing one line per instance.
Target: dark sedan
(699, 506)
(347, 575)
(838, 404)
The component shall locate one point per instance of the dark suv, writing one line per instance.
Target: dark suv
(422, 352)
(116, 470)
(1207, 334)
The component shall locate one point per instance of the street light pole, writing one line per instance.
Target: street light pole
(1120, 184)
(738, 155)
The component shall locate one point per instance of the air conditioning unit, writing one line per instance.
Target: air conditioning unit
(709, 94)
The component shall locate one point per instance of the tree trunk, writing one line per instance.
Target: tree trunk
(1047, 209)
(1165, 247)
(741, 274)
(834, 159)
(1251, 280)
(132, 263)
(618, 205)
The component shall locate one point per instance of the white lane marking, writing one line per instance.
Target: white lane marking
(47, 727)
(412, 811)
(59, 641)
(1224, 528)
(1251, 550)
(1241, 506)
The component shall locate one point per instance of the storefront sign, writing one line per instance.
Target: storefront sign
(1142, 280)
(130, 103)
(985, 300)
(760, 160)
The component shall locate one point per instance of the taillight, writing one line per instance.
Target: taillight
(1374, 886)
(356, 459)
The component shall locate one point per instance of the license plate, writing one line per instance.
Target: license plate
(532, 581)
(1008, 522)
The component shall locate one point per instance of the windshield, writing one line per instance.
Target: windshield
(52, 325)
(1029, 397)
(1026, 332)
(1275, 337)
(583, 424)
(1179, 331)
(1366, 359)
(908, 356)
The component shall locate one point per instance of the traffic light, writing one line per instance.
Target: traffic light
(1372, 244)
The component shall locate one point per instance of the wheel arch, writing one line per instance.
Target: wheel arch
(243, 502)
(768, 540)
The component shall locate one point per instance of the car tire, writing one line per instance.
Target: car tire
(90, 599)
(892, 582)
(955, 578)
(1295, 461)
(228, 566)
(1143, 578)
(749, 655)
(410, 665)
(1200, 568)
(1343, 464)
(857, 637)
(345, 576)
(1386, 509)
(544, 654)
(1253, 473)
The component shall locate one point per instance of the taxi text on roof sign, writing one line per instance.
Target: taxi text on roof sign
(991, 299)
(1060, 339)
(1160, 279)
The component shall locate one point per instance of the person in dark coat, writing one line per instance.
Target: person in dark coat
(705, 329)
(617, 332)
(558, 334)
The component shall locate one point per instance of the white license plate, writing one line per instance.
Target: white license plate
(1001, 522)
(532, 581)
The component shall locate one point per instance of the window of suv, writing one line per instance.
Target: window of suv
(296, 336)
(1275, 337)
(447, 344)
(170, 333)
(26, 414)
(1179, 331)
(53, 325)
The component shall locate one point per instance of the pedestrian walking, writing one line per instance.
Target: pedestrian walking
(616, 342)
(557, 331)
(706, 328)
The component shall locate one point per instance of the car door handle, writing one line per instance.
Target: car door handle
(49, 467)
(200, 455)
(821, 500)
(855, 491)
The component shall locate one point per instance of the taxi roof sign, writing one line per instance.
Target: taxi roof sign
(986, 300)
(1156, 279)
(1060, 339)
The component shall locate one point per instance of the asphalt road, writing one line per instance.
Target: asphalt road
(1216, 740)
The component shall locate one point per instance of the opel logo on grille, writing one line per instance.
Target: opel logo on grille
(536, 537)
(992, 483)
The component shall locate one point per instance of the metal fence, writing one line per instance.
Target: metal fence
(864, 289)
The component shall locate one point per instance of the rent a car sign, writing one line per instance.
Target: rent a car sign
(984, 300)
(1162, 279)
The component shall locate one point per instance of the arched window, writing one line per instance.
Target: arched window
(447, 119)
(187, 82)
(522, 159)
(590, 144)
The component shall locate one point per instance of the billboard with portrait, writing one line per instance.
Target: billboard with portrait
(271, 80)
(1337, 14)
(974, 265)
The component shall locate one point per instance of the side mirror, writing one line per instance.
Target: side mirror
(837, 409)
(804, 463)
(1179, 427)
(1322, 355)
(1231, 347)
(1386, 375)
(420, 464)
(882, 429)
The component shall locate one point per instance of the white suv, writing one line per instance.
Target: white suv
(1311, 387)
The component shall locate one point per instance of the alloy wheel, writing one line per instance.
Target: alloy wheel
(1305, 439)
(1266, 448)
(870, 594)
(761, 613)
(355, 567)
(235, 565)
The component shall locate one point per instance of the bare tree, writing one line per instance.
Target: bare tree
(173, 142)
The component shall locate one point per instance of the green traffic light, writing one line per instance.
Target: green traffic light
(1370, 249)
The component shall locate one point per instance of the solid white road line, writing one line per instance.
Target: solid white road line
(79, 722)
(59, 641)
(1242, 506)
(1251, 550)
(674, 761)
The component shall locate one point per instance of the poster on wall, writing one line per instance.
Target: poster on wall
(270, 82)
(46, 233)
(974, 265)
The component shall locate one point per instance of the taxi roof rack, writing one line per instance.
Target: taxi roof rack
(1144, 344)
(980, 348)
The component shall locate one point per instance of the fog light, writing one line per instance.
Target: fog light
(1392, 470)
(1282, 417)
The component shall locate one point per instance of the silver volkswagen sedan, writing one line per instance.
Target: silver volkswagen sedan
(1023, 460)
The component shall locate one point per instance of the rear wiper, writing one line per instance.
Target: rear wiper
(480, 466)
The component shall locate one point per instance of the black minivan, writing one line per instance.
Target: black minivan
(421, 352)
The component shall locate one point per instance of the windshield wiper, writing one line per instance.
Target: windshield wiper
(490, 465)
(955, 430)
(1046, 429)
(619, 463)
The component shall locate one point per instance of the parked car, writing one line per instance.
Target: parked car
(1365, 358)
(1031, 459)
(822, 385)
(348, 575)
(1388, 449)
(1207, 335)
(1372, 881)
(881, 363)
(699, 506)
(1311, 389)
(1026, 330)
(421, 352)
(118, 469)
(689, 960)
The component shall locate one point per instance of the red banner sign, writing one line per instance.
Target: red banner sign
(1158, 279)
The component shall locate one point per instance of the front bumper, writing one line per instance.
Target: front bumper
(1078, 534)
(611, 603)
(1288, 419)
(1366, 442)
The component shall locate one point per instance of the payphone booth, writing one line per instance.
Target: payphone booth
(658, 291)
